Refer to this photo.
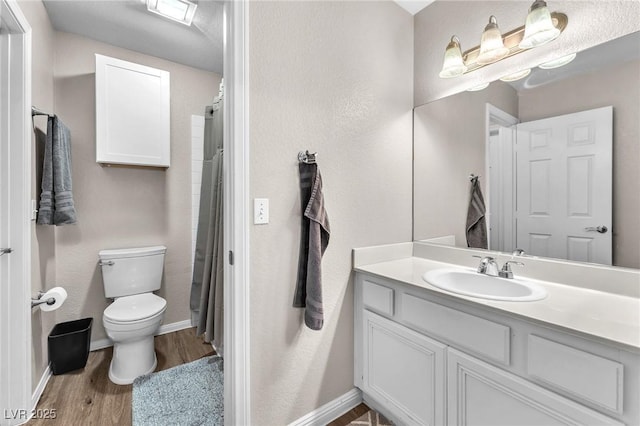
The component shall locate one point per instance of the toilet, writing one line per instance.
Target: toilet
(130, 276)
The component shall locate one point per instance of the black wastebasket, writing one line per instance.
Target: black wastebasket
(69, 345)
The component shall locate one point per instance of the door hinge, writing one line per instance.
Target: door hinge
(230, 257)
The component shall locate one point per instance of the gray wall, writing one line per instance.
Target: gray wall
(590, 23)
(336, 78)
(617, 86)
(449, 144)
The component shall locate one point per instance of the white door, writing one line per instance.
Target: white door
(15, 192)
(564, 186)
(404, 369)
(501, 189)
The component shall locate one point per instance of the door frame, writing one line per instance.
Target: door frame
(494, 115)
(15, 143)
(237, 393)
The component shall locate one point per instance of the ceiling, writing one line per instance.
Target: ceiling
(128, 24)
(413, 6)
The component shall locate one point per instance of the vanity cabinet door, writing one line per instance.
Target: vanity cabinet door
(403, 371)
(480, 394)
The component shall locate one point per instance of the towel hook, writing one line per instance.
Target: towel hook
(473, 177)
(307, 157)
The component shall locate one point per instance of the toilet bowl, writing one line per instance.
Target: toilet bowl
(130, 276)
(131, 323)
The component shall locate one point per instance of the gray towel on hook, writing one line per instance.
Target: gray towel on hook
(56, 200)
(476, 224)
(313, 243)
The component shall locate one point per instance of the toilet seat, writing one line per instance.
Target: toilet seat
(136, 308)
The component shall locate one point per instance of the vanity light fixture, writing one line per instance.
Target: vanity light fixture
(495, 47)
(491, 45)
(556, 63)
(516, 75)
(177, 10)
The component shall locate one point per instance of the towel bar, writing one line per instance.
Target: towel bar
(307, 157)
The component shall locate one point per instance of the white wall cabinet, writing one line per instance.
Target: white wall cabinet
(425, 359)
(132, 113)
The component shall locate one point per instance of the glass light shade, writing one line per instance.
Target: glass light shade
(479, 87)
(538, 29)
(453, 65)
(516, 75)
(556, 63)
(491, 46)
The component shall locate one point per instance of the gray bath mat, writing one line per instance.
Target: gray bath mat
(187, 395)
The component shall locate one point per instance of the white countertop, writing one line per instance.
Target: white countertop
(609, 316)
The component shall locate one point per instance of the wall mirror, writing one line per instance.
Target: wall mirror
(558, 157)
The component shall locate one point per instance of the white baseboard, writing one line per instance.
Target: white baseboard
(164, 329)
(37, 393)
(331, 410)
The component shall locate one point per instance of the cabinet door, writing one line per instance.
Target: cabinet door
(132, 113)
(480, 394)
(404, 371)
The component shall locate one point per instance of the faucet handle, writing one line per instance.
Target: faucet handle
(517, 252)
(506, 271)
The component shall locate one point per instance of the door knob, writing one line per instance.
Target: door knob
(601, 229)
(5, 251)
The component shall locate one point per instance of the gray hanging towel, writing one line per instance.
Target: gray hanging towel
(56, 200)
(314, 240)
(476, 224)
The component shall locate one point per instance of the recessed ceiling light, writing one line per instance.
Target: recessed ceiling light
(516, 75)
(177, 10)
(556, 63)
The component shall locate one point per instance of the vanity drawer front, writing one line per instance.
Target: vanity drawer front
(588, 376)
(377, 297)
(478, 335)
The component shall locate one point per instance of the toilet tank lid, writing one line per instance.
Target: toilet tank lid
(131, 252)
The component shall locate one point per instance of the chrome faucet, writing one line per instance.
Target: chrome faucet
(488, 266)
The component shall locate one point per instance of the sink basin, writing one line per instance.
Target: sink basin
(471, 283)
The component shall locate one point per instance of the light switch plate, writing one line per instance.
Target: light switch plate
(260, 211)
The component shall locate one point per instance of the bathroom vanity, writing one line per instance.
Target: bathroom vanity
(428, 356)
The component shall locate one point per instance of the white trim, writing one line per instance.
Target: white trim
(174, 326)
(237, 390)
(96, 345)
(331, 410)
(15, 142)
(42, 384)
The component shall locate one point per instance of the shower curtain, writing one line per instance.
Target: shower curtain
(207, 284)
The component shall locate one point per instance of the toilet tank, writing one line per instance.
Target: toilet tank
(132, 270)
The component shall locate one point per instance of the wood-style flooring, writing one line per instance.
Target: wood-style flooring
(87, 396)
(350, 415)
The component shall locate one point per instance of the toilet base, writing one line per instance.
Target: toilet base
(131, 360)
